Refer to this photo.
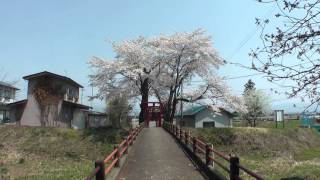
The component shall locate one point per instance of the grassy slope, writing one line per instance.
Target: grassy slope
(270, 124)
(274, 153)
(52, 153)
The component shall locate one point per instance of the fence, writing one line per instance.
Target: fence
(113, 159)
(209, 153)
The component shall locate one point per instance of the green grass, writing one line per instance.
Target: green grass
(273, 153)
(53, 153)
(307, 154)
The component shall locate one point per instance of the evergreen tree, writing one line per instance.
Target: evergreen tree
(118, 109)
(249, 86)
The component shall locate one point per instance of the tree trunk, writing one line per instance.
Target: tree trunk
(173, 109)
(171, 106)
(168, 108)
(144, 100)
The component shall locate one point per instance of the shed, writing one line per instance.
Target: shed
(97, 119)
(205, 116)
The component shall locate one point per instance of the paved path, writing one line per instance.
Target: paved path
(156, 156)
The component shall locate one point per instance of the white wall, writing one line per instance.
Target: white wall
(220, 118)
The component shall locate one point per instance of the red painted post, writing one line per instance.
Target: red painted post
(234, 168)
(127, 145)
(186, 138)
(176, 131)
(208, 155)
(194, 145)
(172, 129)
(134, 135)
(130, 134)
(159, 115)
(100, 174)
(117, 156)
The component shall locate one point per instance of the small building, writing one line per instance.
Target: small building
(7, 96)
(52, 100)
(97, 119)
(204, 116)
(310, 120)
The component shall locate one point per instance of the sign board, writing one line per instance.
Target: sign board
(279, 115)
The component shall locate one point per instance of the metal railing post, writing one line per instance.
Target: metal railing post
(234, 168)
(100, 174)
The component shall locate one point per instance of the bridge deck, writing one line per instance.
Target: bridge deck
(156, 156)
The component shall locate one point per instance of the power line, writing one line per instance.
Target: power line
(260, 73)
(251, 34)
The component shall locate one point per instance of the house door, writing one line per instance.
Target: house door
(1, 116)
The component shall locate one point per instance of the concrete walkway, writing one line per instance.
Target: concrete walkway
(156, 156)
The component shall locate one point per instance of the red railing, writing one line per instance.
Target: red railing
(200, 148)
(113, 159)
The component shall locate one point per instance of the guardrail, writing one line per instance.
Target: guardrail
(210, 154)
(113, 159)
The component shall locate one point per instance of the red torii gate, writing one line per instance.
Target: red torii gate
(153, 112)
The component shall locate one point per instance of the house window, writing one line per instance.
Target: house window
(7, 94)
(208, 124)
(71, 95)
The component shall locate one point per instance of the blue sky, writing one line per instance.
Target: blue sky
(61, 36)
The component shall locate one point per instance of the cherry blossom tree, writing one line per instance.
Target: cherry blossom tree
(160, 66)
(129, 73)
(257, 103)
(290, 50)
(184, 57)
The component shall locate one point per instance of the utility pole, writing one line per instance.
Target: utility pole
(91, 96)
(82, 95)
